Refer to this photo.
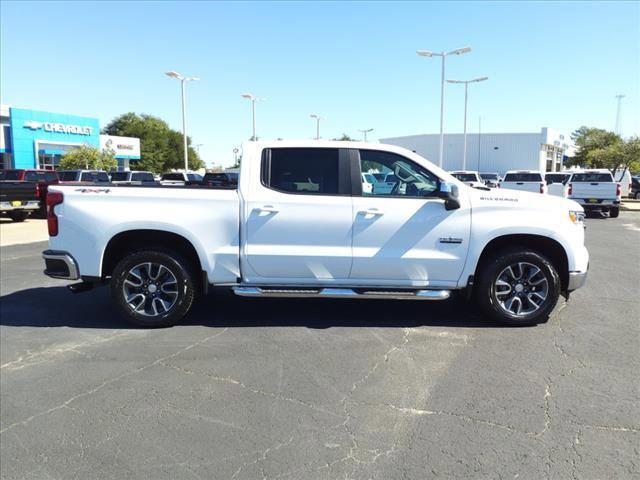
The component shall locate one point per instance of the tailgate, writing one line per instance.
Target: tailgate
(17, 191)
(594, 190)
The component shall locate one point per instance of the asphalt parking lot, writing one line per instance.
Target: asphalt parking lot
(266, 388)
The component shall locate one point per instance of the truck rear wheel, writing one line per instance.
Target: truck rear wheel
(518, 287)
(19, 216)
(153, 288)
(614, 212)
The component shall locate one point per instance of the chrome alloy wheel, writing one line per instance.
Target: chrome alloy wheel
(150, 289)
(521, 289)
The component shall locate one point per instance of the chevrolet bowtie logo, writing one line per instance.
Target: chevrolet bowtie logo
(33, 125)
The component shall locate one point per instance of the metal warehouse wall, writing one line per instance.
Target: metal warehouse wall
(499, 152)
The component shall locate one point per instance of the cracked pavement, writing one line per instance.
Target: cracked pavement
(289, 389)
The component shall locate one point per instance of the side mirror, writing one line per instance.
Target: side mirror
(449, 192)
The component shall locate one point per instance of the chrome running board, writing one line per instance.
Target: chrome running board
(342, 293)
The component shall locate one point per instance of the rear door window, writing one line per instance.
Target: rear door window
(308, 171)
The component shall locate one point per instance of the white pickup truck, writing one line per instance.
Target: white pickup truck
(299, 225)
(524, 180)
(595, 190)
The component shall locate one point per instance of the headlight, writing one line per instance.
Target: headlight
(576, 217)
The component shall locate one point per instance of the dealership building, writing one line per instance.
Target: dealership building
(36, 139)
(545, 150)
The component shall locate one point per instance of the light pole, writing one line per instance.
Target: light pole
(427, 53)
(365, 132)
(318, 118)
(619, 97)
(466, 86)
(254, 100)
(183, 80)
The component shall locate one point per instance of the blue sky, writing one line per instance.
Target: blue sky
(555, 64)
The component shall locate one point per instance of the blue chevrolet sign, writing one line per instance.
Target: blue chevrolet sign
(35, 133)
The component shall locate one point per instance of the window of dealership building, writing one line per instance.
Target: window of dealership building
(36, 139)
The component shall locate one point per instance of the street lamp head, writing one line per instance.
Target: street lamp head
(480, 79)
(317, 117)
(248, 96)
(460, 51)
(174, 74)
(425, 53)
(455, 81)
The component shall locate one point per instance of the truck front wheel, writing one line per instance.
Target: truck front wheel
(518, 287)
(153, 288)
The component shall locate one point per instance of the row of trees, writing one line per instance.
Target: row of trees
(598, 148)
(161, 148)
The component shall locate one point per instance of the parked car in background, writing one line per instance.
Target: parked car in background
(368, 181)
(595, 190)
(386, 186)
(42, 179)
(84, 176)
(469, 177)
(623, 177)
(180, 178)
(635, 188)
(490, 179)
(557, 183)
(220, 179)
(524, 180)
(299, 225)
(133, 177)
(18, 199)
(556, 177)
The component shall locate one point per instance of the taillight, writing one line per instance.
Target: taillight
(38, 190)
(542, 188)
(618, 190)
(570, 191)
(53, 199)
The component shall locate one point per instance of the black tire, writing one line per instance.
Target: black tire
(148, 315)
(486, 294)
(19, 216)
(614, 212)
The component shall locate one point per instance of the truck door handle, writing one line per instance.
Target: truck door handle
(371, 211)
(267, 209)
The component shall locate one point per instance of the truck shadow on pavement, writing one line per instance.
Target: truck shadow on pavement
(58, 307)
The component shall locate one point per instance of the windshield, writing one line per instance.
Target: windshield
(194, 177)
(120, 176)
(466, 177)
(523, 177)
(592, 177)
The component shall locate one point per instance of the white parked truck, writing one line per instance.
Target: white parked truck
(300, 225)
(469, 178)
(524, 180)
(595, 190)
